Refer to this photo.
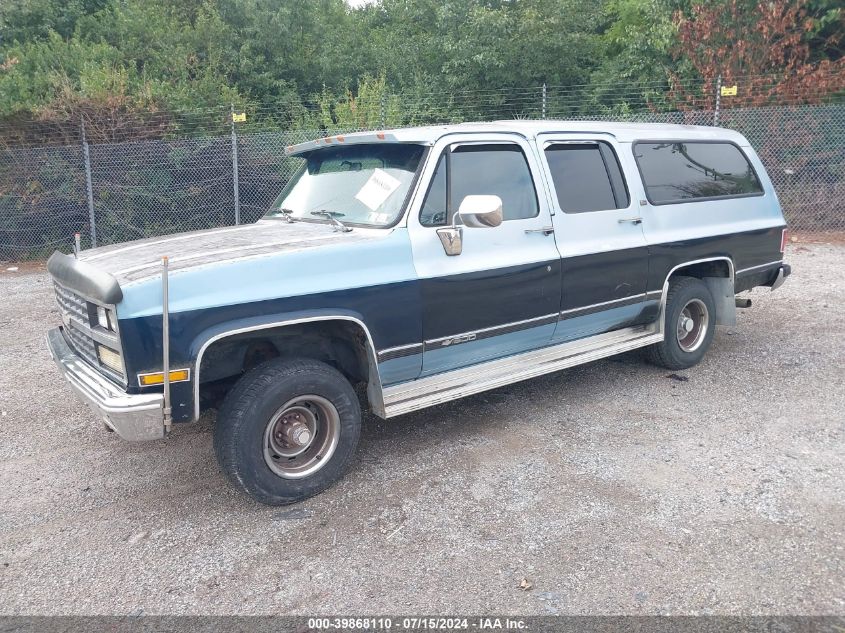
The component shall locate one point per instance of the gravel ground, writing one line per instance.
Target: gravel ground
(610, 488)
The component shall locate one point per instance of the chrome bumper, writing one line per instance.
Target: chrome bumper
(132, 417)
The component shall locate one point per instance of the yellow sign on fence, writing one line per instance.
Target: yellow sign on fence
(240, 117)
(729, 91)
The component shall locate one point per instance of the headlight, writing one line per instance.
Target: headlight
(110, 359)
(105, 319)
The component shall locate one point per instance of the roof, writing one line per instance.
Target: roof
(623, 132)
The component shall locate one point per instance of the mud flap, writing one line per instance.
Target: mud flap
(722, 289)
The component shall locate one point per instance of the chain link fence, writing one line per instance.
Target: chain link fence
(113, 192)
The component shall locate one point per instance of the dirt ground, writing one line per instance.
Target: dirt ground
(609, 488)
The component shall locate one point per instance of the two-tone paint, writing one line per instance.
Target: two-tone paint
(530, 288)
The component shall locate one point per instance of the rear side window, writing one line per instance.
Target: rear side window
(686, 171)
(587, 177)
(493, 169)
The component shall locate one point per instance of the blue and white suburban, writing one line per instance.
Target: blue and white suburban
(406, 268)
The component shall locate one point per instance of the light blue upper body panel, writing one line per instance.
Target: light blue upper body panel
(271, 259)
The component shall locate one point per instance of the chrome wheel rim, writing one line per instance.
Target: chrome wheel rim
(692, 325)
(301, 436)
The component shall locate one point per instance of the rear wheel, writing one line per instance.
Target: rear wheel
(287, 430)
(688, 327)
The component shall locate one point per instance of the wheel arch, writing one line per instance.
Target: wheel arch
(280, 325)
(719, 273)
(717, 266)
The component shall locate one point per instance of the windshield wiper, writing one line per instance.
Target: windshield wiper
(287, 214)
(332, 217)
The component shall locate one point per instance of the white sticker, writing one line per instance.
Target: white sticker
(378, 218)
(377, 189)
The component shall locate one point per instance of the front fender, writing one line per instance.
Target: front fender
(266, 322)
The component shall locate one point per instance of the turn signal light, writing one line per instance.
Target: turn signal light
(157, 378)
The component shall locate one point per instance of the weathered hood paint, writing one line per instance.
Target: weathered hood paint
(264, 262)
(133, 262)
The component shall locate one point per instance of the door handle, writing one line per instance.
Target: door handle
(637, 220)
(546, 230)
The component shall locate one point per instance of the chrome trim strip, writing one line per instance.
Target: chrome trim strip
(632, 298)
(399, 351)
(432, 390)
(514, 326)
(745, 270)
(587, 310)
(653, 292)
(374, 388)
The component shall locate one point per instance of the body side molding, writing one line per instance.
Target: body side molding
(742, 271)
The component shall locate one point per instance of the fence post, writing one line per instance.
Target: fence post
(384, 108)
(543, 116)
(236, 194)
(718, 99)
(89, 189)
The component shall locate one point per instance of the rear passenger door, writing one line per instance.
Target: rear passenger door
(599, 232)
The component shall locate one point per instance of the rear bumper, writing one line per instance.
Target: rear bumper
(132, 417)
(783, 272)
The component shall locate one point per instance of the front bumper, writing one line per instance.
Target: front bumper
(132, 417)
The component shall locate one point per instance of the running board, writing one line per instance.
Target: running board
(432, 390)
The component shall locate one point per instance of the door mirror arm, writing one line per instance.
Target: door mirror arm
(452, 239)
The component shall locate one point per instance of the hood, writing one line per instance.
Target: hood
(135, 261)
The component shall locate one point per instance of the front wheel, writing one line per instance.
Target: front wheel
(287, 430)
(690, 322)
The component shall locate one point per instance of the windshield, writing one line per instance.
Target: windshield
(356, 184)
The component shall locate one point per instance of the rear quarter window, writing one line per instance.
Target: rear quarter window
(685, 171)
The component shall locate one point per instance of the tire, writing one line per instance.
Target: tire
(681, 352)
(259, 435)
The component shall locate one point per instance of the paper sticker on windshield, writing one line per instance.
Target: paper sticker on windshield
(378, 218)
(377, 189)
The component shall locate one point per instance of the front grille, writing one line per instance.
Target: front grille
(82, 343)
(79, 334)
(71, 303)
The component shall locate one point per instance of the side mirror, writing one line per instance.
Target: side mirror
(481, 212)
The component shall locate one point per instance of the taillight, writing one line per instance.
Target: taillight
(784, 237)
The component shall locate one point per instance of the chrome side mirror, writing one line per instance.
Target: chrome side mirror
(481, 212)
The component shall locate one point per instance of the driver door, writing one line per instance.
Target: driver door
(501, 294)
